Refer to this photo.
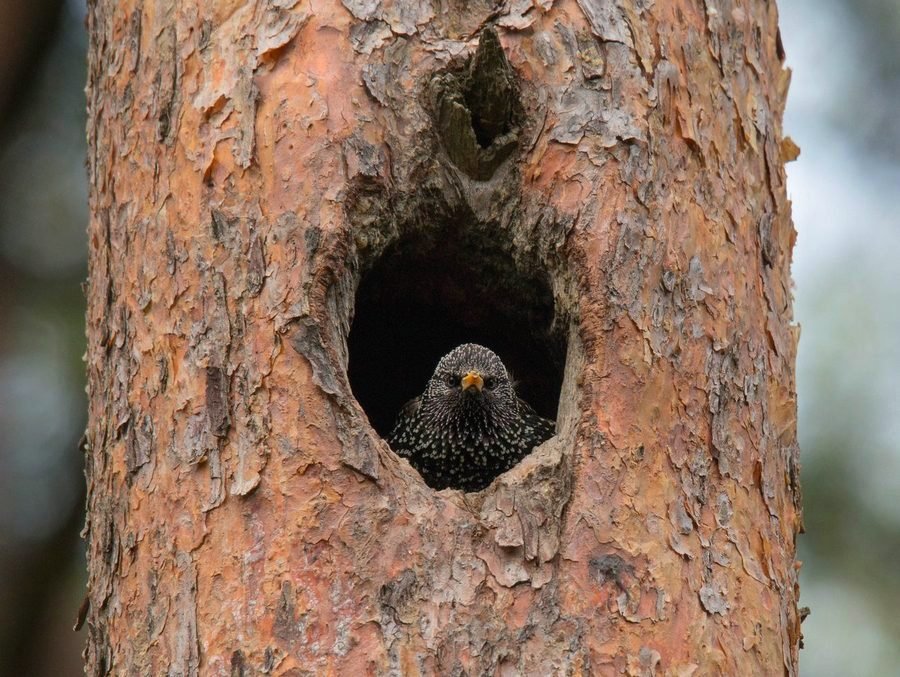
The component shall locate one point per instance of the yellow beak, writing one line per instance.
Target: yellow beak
(472, 380)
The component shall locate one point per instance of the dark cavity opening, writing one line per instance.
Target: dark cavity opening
(484, 133)
(431, 292)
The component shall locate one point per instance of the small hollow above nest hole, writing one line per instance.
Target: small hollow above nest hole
(428, 294)
(477, 109)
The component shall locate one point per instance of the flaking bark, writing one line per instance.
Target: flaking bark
(249, 162)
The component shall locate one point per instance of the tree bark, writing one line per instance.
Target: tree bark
(250, 162)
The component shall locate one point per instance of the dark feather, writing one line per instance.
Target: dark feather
(463, 440)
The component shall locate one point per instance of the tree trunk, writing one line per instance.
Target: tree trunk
(601, 193)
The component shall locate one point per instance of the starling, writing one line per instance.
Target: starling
(468, 426)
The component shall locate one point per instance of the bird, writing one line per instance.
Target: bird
(469, 426)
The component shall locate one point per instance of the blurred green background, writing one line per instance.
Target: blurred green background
(844, 112)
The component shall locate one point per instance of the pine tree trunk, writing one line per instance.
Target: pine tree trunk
(250, 164)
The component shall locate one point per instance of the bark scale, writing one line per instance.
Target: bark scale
(250, 161)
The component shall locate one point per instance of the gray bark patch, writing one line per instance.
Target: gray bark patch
(217, 413)
(306, 339)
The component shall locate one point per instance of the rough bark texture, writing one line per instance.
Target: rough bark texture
(251, 160)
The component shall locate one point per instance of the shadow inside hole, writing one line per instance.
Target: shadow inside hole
(428, 294)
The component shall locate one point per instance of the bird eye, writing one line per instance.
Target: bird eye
(452, 380)
(489, 383)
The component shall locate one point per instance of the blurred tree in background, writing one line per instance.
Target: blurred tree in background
(842, 110)
(43, 215)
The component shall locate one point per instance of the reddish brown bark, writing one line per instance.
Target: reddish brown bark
(248, 161)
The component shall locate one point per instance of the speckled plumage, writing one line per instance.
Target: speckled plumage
(464, 438)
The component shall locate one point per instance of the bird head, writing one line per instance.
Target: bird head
(471, 378)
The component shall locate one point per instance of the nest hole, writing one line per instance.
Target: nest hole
(427, 294)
